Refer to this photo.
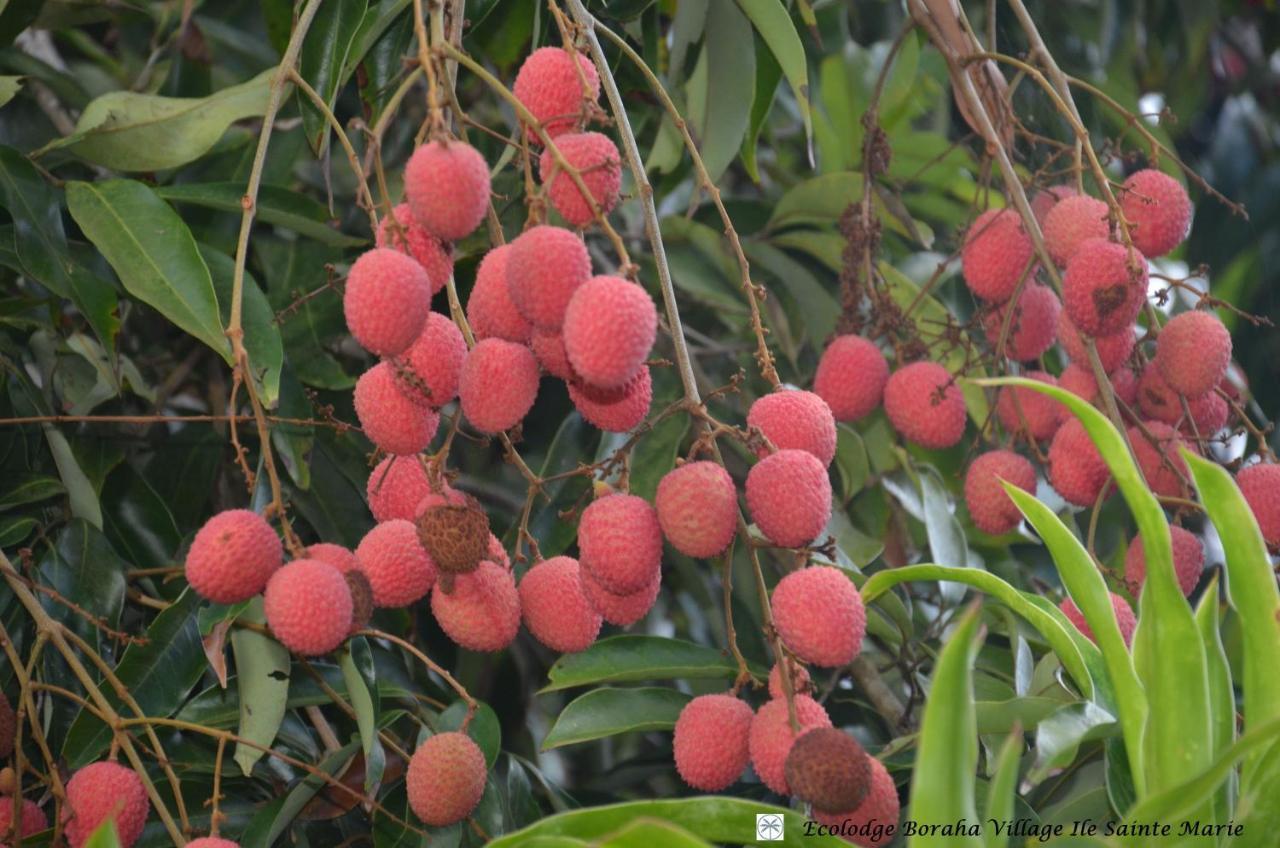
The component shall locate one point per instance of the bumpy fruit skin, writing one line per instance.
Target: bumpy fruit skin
(1161, 463)
(102, 791)
(819, 615)
(1125, 384)
(1033, 328)
(1046, 199)
(609, 328)
(801, 682)
(553, 91)
(482, 613)
(232, 556)
(878, 812)
(1155, 397)
(1260, 485)
(1073, 221)
(386, 300)
(212, 842)
(555, 609)
(308, 607)
(554, 359)
(794, 418)
(1209, 414)
(996, 251)
(990, 506)
(1101, 294)
(850, 377)
(455, 536)
(1114, 350)
(620, 542)
(499, 385)
(597, 160)
(710, 743)
(614, 410)
(789, 496)
(925, 405)
(697, 507)
(336, 555)
(428, 372)
(396, 487)
(546, 266)
(622, 609)
(408, 237)
(1028, 412)
(1193, 352)
(31, 820)
(446, 778)
(8, 726)
(1188, 561)
(399, 569)
(1076, 469)
(1079, 380)
(829, 769)
(1158, 211)
(771, 737)
(388, 417)
(490, 310)
(1123, 612)
(447, 186)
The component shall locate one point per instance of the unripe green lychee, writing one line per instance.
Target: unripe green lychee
(711, 741)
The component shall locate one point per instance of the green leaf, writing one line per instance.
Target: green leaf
(721, 88)
(851, 460)
(275, 205)
(819, 200)
(262, 676)
(86, 570)
(817, 306)
(771, 20)
(610, 711)
(484, 728)
(103, 837)
(29, 488)
(356, 663)
(323, 60)
(36, 209)
(261, 332)
(9, 88)
(15, 529)
(947, 755)
(627, 659)
(153, 253)
(1222, 695)
(1059, 736)
(1003, 790)
(643, 834)
(768, 75)
(274, 819)
(129, 131)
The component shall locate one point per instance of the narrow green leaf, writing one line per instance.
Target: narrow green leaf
(262, 677)
(609, 711)
(275, 205)
(721, 89)
(29, 488)
(1222, 695)
(627, 659)
(643, 834)
(356, 663)
(1060, 735)
(819, 200)
(15, 529)
(103, 837)
(323, 60)
(261, 332)
(768, 75)
(9, 88)
(81, 495)
(771, 20)
(851, 460)
(484, 729)
(39, 239)
(1003, 790)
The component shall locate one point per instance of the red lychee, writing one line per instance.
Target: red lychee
(819, 615)
(1156, 399)
(555, 609)
(1101, 293)
(620, 542)
(212, 842)
(399, 231)
(1033, 328)
(1161, 463)
(597, 161)
(1072, 222)
(499, 385)
(876, 816)
(1113, 350)
(1047, 198)
(1158, 211)
(990, 506)
(1076, 469)
(1125, 385)
(399, 569)
(789, 496)
(429, 370)
(793, 418)
(1193, 352)
(482, 613)
(447, 186)
(31, 820)
(1123, 612)
(711, 741)
(388, 417)
(801, 682)
(829, 769)
(1079, 380)
(554, 91)
(397, 486)
(850, 377)
(925, 405)
(1028, 412)
(1209, 414)
(614, 410)
(232, 556)
(386, 299)
(308, 607)
(621, 609)
(996, 253)
(554, 359)
(697, 507)
(771, 737)
(102, 791)
(609, 328)
(1260, 485)
(446, 778)
(336, 555)
(490, 310)
(546, 266)
(1188, 561)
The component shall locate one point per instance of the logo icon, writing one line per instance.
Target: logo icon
(768, 827)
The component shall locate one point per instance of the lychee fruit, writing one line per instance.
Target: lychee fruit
(597, 161)
(399, 569)
(498, 554)
(31, 820)
(546, 266)
(793, 418)
(1029, 412)
(1193, 352)
(1072, 222)
(447, 186)
(1125, 385)
(388, 418)
(1161, 463)
(1209, 414)
(1123, 612)
(1158, 211)
(622, 609)
(771, 737)
(1076, 469)
(555, 609)
(446, 778)
(850, 377)
(554, 359)
(829, 769)
(925, 405)
(620, 542)
(397, 486)
(102, 791)
(1101, 293)
(399, 231)
(819, 615)
(232, 556)
(801, 682)
(1260, 485)
(212, 842)
(553, 91)
(455, 536)
(614, 410)
(428, 372)
(1033, 328)
(697, 507)
(1079, 380)
(711, 741)
(1113, 350)
(789, 496)
(1188, 561)
(490, 310)
(482, 613)
(609, 328)
(1047, 198)
(876, 816)
(1155, 397)
(995, 255)
(499, 385)
(990, 506)
(386, 300)
(336, 555)
(308, 607)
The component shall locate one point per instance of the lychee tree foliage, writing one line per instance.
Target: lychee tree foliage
(437, 422)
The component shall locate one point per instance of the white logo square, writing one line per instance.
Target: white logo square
(769, 827)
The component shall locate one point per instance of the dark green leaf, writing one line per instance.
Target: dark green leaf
(27, 489)
(275, 205)
(39, 239)
(771, 20)
(768, 75)
(356, 663)
(261, 333)
(626, 659)
(721, 89)
(610, 711)
(323, 60)
(262, 679)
